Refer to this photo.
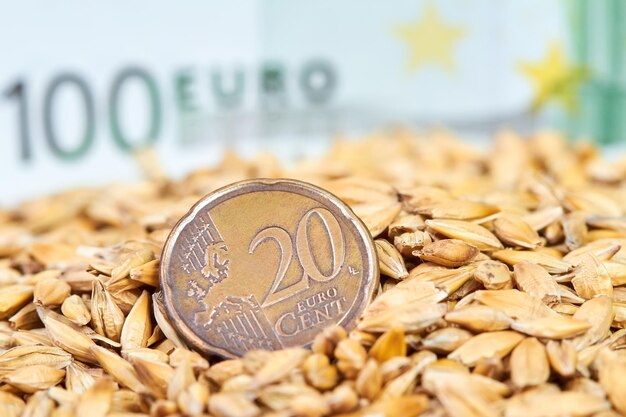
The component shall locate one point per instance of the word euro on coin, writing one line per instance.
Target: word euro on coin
(266, 264)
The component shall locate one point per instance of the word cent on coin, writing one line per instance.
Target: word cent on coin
(266, 264)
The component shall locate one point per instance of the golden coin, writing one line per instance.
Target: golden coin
(266, 264)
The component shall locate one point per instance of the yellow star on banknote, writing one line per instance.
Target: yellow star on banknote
(555, 79)
(430, 40)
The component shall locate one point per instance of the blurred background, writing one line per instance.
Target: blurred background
(85, 84)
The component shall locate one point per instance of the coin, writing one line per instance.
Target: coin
(266, 264)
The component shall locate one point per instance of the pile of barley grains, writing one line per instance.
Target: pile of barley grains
(503, 291)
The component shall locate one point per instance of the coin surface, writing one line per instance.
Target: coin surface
(266, 264)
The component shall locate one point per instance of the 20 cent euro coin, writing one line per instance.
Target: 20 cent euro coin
(266, 264)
